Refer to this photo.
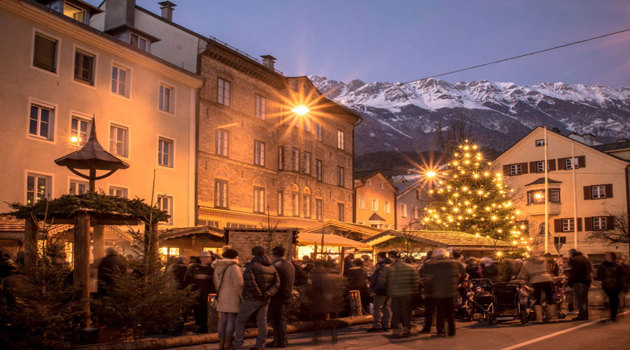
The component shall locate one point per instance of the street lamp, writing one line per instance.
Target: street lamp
(300, 110)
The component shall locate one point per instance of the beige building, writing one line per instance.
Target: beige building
(58, 73)
(411, 200)
(586, 190)
(375, 200)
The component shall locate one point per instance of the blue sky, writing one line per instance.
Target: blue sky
(396, 40)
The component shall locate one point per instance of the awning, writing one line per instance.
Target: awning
(362, 230)
(307, 238)
(453, 239)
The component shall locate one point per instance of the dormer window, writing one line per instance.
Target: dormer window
(139, 41)
(75, 12)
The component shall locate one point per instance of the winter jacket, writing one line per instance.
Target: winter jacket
(536, 270)
(378, 282)
(200, 276)
(611, 275)
(580, 270)
(261, 280)
(228, 278)
(286, 272)
(178, 271)
(357, 278)
(402, 279)
(108, 267)
(441, 277)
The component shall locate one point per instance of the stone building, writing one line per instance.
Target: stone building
(375, 198)
(261, 164)
(587, 190)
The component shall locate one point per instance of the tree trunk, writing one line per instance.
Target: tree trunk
(30, 242)
(151, 247)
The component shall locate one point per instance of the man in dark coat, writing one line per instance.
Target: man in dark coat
(378, 288)
(111, 265)
(200, 276)
(279, 302)
(358, 280)
(611, 274)
(580, 280)
(261, 282)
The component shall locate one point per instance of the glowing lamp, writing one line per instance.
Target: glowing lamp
(430, 174)
(300, 110)
(74, 139)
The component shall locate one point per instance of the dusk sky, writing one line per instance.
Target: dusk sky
(379, 40)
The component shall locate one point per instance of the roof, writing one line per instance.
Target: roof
(192, 231)
(308, 238)
(613, 146)
(364, 175)
(363, 230)
(541, 181)
(376, 217)
(443, 239)
(124, 27)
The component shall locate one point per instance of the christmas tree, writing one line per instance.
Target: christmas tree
(469, 197)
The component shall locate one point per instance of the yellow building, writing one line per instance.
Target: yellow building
(375, 200)
(587, 190)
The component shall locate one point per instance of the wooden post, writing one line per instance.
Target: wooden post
(98, 241)
(342, 257)
(30, 242)
(81, 253)
(150, 246)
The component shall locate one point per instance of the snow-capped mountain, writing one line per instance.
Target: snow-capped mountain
(406, 116)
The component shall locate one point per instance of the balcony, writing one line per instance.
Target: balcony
(539, 209)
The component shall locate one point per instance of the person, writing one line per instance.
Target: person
(472, 269)
(228, 279)
(358, 279)
(178, 271)
(444, 275)
(348, 262)
(378, 289)
(611, 274)
(261, 282)
(429, 303)
(489, 269)
(279, 302)
(580, 280)
(325, 294)
(626, 281)
(402, 284)
(111, 265)
(200, 277)
(537, 272)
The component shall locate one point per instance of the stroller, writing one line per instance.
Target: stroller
(480, 299)
(513, 301)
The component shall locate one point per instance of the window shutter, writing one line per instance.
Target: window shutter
(532, 167)
(524, 167)
(579, 224)
(587, 193)
(557, 225)
(506, 170)
(610, 222)
(588, 224)
(609, 191)
(581, 161)
(551, 165)
(561, 163)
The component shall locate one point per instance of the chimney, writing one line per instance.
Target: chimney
(167, 8)
(269, 61)
(120, 13)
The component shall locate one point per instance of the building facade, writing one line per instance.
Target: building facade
(587, 190)
(375, 198)
(58, 74)
(411, 199)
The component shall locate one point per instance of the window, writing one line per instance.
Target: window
(369, 183)
(538, 196)
(516, 169)
(340, 176)
(362, 203)
(578, 162)
(41, 121)
(84, 67)
(403, 210)
(118, 192)
(388, 208)
(38, 187)
(306, 199)
(568, 225)
(374, 204)
(415, 213)
(165, 152)
(261, 107)
(295, 159)
(78, 187)
(560, 240)
(598, 192)
(45, 53)
(418, 194)
(222, 142)
(600, 223)
(259, 200)
(119, 140)
(76, 13)
(318, 170)
(340, 212)
(381, 185)
(307, 163)
(307, 124)
(319, 131)
(295, 203)
(166, 98)
(540, 167)
(554, 195)
(79, 130)
(540, 142)
(280, 158)
(166, 203)
(220, 194)
(319, 207)
(120, 78)
(139, 41)
(259, 153)
(280, 203)
(223, 96)
(340, 140)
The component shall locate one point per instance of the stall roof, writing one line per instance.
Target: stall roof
(189, 231)
(454, 239)
(363, 230)
(308, 238)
